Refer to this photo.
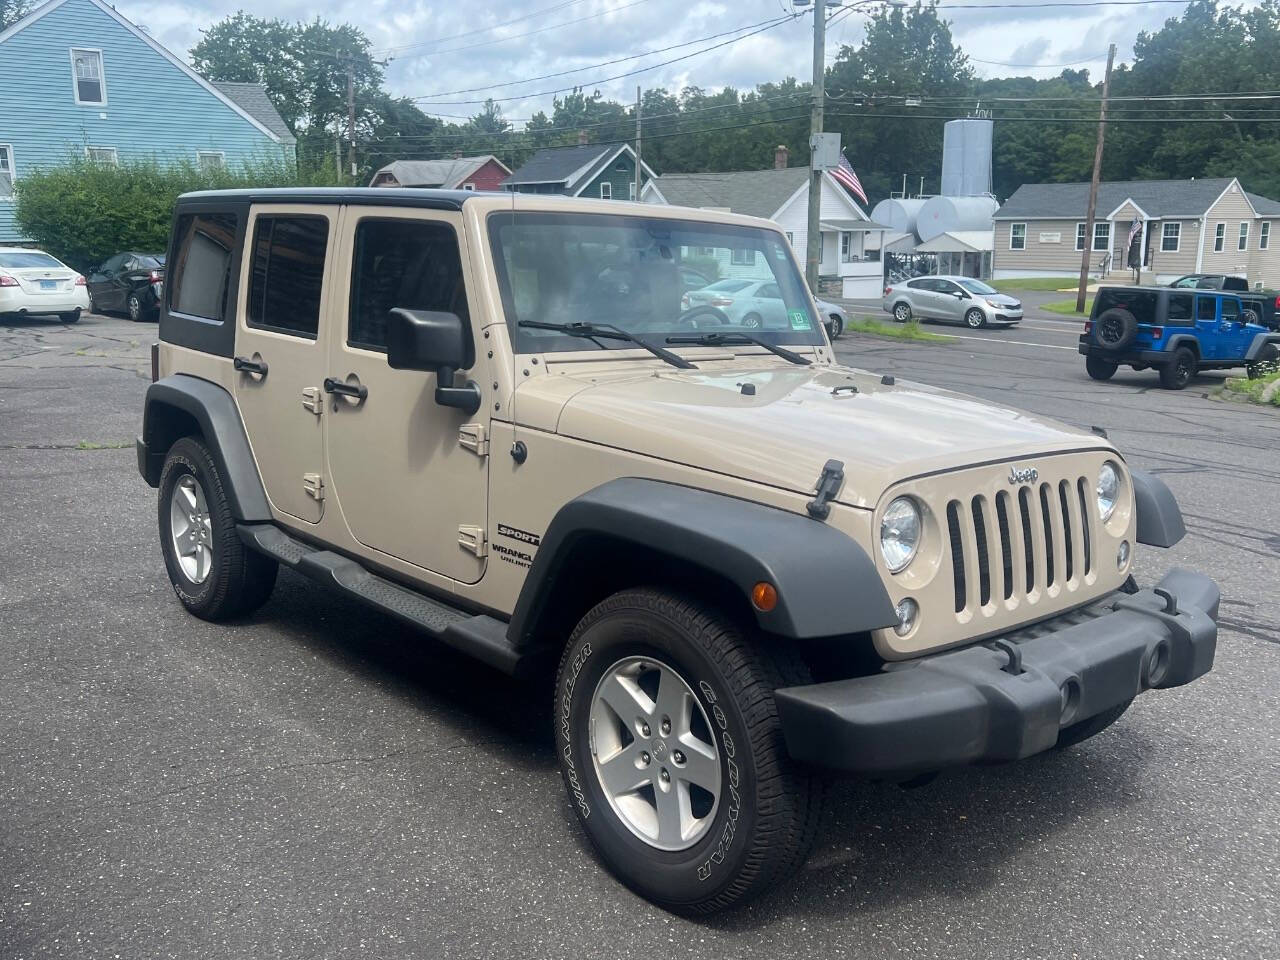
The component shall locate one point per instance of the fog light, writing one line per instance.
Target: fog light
(908, 611)
(1122, 555)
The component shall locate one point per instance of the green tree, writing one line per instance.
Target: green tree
(11, 11)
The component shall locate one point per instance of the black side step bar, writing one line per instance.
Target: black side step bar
(482, 637)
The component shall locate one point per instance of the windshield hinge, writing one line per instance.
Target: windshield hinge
(313, 484)
(473, 540)
(829, 483)
(473, 437)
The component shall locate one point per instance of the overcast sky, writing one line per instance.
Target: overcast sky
(414, 33)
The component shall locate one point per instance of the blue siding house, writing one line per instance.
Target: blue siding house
(76, 77)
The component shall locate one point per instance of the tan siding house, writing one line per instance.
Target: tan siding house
(1178, 227)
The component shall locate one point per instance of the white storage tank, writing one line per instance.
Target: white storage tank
(898, 214)
(966, 158)
(941, 215)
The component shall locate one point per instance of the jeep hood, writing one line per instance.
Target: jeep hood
(797, 419)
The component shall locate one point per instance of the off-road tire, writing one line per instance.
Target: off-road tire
(1082, 731)
(1179, 371)
(72, 317)
(975, 314)
(768, 811)
(1115, 329)
(902, 312)
(240, 580)
(1100, 369)
(1267, 361)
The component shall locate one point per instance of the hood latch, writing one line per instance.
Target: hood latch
(829, 483)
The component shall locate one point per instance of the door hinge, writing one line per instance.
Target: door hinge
(473, 539)
(473, 437)
(313, 399)
(313, 484)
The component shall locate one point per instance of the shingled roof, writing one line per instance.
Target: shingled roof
(754, 193)
(1157, 198)
(252, 99)
(445, 174)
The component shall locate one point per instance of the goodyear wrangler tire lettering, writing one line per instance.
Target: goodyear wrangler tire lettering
(765, 814)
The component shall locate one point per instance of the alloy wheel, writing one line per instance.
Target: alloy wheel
(974, 319)
(901, 313)
(191, 529)
(654, 753)
(135, 308)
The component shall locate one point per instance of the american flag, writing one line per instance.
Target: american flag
(845, 175)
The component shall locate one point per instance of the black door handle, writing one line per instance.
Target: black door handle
(345, 389)
(245, 365)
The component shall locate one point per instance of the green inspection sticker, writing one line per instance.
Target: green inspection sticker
(799, 319)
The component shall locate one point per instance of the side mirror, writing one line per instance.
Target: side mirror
(434, 341)
(960, 295)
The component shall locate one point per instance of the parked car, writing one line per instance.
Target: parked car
(129, 283)
(1265, 305)
(735, 566)
(691, 279)
(34, 282)
(833, 317)
(754, 304)
(1177, 332)
(1210, 281)
(951, 299)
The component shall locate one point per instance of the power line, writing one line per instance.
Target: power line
(1069, 63)
(770, 25)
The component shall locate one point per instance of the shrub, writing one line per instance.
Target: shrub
(83, 212)
(709, 267)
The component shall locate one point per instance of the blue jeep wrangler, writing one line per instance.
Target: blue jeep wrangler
(1178, 332)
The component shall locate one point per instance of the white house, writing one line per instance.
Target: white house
(850, 257)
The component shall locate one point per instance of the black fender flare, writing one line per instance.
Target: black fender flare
(1259, 341)
(1178, 340)
(1159, 517)
(215, 413)
(827, 584)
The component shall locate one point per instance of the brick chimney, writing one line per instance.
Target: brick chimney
(582, 138)
(781, 156)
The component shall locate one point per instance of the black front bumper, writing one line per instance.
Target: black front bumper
(1007, 699)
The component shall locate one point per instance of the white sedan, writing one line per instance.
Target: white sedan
(34, 283)
(747, 303)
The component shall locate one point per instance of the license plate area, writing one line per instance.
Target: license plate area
(48, 284)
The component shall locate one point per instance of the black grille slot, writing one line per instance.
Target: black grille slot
(1082, 487)
(1024, 505)
(984, 562)
(1006, 542)
(957, 553)
(1066, 528)
(1048, 535)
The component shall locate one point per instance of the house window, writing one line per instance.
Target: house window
(469, 186)
(846, 247)
(1102, 236)
(288, 272)
(1219, 237)
(1080, 235)
(1017, 236)
(6, 170)
(105, 155)
(743, 257)
(211, 160)
(1242, 242)
(86, 73)
(606, 191)
(1170, 237)
(1264, 232)
(631, 190)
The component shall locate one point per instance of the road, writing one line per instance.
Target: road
(316, 782)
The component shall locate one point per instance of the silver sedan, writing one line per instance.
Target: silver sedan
(952, 299)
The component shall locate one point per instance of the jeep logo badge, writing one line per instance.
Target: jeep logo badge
(1028, 475)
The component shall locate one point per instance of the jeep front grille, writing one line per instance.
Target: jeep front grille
(1020, 545)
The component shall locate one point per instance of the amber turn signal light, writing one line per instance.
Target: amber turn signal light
(764, 596)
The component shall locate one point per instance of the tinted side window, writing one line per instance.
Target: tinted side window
(288, 273)
(1230, 308)
(770, 291)
(402, 263)
(920, 284)
(1206, 308)
(1180, 307)
(201, 271)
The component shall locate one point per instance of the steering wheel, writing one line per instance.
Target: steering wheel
(691, 316)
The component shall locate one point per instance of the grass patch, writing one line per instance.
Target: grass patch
(911, 330)
(1264, 390)
(1035, 283)
(1068, 307)
(111, 445)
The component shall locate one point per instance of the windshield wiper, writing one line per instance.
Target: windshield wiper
(607, 331)
(727, 339)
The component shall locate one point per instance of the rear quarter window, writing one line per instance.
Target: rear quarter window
(1181, 310)
(201, 274)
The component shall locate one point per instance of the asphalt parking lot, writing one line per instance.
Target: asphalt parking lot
(316, 782)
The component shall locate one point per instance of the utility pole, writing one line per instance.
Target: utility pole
(813, 257)
(639, 151)
(1093, 184)
(351, 114)
(337, 154)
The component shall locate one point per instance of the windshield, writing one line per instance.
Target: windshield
(626, 271)
(977, 286)
(150, 261)
(19, 260)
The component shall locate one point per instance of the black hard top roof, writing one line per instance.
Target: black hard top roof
(366, 196)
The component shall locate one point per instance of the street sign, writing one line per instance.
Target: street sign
(826, 150)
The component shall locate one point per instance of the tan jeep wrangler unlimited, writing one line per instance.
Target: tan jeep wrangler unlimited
(502, 420)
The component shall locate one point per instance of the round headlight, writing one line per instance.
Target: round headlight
(1108, 490)
(899, 533)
